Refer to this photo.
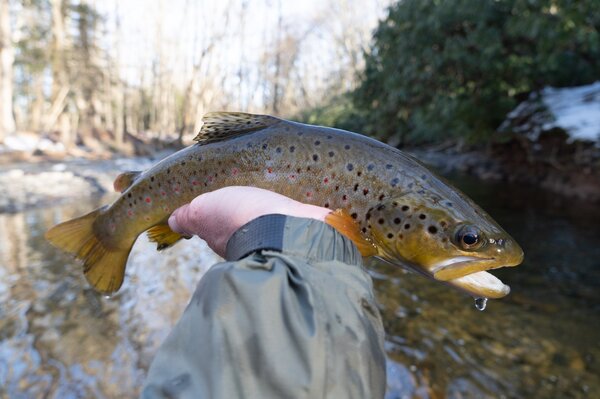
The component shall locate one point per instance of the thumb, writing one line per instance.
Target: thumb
(180, 221)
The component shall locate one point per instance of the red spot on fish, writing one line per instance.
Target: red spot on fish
(148, 200)
(194, 182)
(234, 171)
(270, 170)
(166, 208)
(326, 180)
(344, 197)
(308, 194)
(293, 177)
(210, 179)
(163, 193)
(130, 213)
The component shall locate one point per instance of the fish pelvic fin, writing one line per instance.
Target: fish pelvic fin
(344, 224)
(103, 266)
(163, 236)
(219, 126)
(125, 180)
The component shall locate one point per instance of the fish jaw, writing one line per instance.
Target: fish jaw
(508, 254)
(481, 285)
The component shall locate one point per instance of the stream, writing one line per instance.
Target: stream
(60, 339)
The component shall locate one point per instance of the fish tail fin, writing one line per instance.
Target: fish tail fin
(346, 225)
(103, 266)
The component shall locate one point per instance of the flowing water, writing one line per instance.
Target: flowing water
(60, 339)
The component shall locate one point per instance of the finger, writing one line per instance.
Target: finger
(180, 221)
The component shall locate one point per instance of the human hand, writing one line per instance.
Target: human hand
(216, 215)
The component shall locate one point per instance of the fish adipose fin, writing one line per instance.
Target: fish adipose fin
(103, 267)
(220, 126)
(163, 236)
(343, 223)
(125, 180)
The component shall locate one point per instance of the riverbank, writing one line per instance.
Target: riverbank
(26, 185)
(570, 170)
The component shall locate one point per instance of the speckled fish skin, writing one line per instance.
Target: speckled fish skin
(409, 213)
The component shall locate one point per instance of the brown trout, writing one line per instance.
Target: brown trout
(386, 201)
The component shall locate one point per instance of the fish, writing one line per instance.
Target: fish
(383, 199)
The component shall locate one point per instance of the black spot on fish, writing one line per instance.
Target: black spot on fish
(149, 187)
(359, 173)
(364, 229)
(389, 166)
(381, 221)
(249, 145)
(300, 133)
(422, 216)
(424, 177)
(315, 158)
(381, 197)
(394, 182)
(140, 198)
(421, 192)
(368, 216)
(326, 205)
(287, 129)
(365, 191)
(347, 147)
(278, 150)
(405, 208)
(350, 167)
(331, 153)
(337, 188)
(130, 204)
(168, 170)
(152, 178)
(370, 167)
(397, 221)
(432, 229)
(449, 204)
(354, 215)
(264, 146)
(390, 235)
(407, 226)
(443, 223)
(381, 207)
(292, 148)
(298, 170)
(344, 197)
(182, 163)
(329, 137)
(317, 142)
(129, 195)
(356, 187)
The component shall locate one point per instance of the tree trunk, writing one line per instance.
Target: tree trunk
(7, 57)
(60, 87)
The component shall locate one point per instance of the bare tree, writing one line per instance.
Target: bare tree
(7, 56)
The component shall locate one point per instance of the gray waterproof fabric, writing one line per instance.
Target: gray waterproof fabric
(298, 321)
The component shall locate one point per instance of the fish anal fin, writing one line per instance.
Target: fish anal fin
(346, 225)
(125, 180)
(103, 266)
(220, 126)
(163, 236)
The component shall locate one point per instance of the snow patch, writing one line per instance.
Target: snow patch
(575, 110)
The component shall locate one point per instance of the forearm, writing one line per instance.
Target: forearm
(291, 314)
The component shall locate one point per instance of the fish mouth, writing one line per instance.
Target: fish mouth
(469, 274)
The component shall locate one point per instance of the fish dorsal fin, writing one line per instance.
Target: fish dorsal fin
(125, 180)
(220, 126)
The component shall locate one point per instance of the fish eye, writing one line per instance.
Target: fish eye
(469, 237)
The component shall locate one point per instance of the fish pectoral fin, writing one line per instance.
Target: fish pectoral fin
(344, 224)
(220, 126)
(163, 236)
(125, 180)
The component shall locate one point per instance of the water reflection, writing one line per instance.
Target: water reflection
(58, 338)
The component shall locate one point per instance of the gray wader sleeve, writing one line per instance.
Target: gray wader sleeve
(291, 314)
